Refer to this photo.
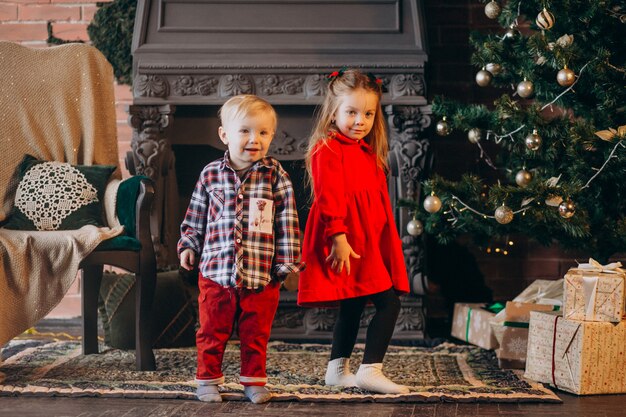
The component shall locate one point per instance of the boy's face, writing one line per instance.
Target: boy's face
(248, 138)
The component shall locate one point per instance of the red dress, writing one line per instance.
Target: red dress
(350, 197)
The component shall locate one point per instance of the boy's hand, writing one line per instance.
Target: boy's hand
(340, 254)
(187, 259)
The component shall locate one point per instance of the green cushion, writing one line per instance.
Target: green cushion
(126, 210)
(173, 316)
(126, 207)
(58, 196)
(120, 243)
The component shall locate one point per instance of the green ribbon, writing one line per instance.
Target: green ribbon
(467, 325)
(515, 324)
(495, 307)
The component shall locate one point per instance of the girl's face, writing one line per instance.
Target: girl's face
(355, 114)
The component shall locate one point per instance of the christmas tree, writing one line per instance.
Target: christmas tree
(556, 135)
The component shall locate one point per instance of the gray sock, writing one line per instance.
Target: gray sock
(208, 393)
(257, 394)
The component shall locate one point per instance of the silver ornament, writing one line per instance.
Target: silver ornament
(565, 77)
(483, 77)
(474, 135)
(533, 141)
(503, 214)
(511, 32)
(494, 68)
(415, 227)
(492, 10)
(432, 204)
(567, 209)
(525, 89)
(523, 178)
(545, 19)
(442, 127)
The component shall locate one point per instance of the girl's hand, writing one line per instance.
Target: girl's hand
(187, 259)
(340, 254)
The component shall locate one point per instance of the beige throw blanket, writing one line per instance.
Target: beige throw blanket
(56, 104)
(37, 269)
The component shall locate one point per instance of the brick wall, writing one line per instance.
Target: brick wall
(31, 22)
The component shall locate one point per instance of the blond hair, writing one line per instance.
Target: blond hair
(244, 105)
(342, 84)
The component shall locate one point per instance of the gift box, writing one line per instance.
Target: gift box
(581, 357)
(594, 292)
(512, 333)
(470, 323)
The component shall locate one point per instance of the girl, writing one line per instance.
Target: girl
(351, 246)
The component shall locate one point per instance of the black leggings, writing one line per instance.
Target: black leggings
(379, 331)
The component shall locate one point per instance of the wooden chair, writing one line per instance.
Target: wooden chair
(58, 105)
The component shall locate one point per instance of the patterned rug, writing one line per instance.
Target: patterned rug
(447, 372)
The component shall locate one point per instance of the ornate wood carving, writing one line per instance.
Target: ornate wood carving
(153, 157)
(410, 158)
(318, 323)
(212, 85)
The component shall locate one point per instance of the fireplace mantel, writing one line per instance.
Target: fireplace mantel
(195, 54)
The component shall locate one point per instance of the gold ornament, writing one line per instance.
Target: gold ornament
(533, 141)
(414, 227)
(492, 10)
(503, 214)
(565, 77)
(442, 127)
(432, 203)
(494, 68)
(474, 135)
(525, 89)
(567, 209)
(545, 19)
(483, 77)
(523, 178)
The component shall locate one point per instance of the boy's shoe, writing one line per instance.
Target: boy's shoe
(370, 377)
(338, 373)
(208, 393)
(257, 394)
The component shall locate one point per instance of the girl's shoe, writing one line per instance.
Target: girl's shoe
(370, 377)
(338, 373)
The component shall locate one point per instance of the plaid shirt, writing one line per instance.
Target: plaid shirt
(245, 228)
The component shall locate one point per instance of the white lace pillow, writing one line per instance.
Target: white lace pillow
(59, 196)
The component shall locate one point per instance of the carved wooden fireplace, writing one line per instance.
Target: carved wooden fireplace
(189, 56)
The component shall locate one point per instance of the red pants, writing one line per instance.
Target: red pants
(219, 308)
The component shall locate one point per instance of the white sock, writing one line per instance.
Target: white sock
(208, 393)
(370, 377)
(338, 373)
(257, 394)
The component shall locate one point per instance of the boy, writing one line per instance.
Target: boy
(243, 225)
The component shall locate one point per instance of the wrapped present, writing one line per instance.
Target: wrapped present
(582, 357)
(542, 291)
(594, 292)
(470, 323)
(512, 333)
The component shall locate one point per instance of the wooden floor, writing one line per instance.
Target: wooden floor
(592, 406)
(596, 406)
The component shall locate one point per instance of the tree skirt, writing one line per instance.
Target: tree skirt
(447, 372)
